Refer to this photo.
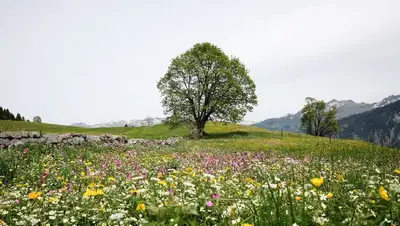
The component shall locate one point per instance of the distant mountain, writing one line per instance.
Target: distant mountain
(380, 125)
(387, 100)
(81, 124)
(247, 123)
(136, 123)
(345, 108)
(132, 123)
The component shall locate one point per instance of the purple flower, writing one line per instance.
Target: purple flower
(209, 203)
(215, 196)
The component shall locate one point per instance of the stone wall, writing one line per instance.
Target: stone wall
(10, 139)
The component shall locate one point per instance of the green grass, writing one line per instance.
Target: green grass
(215, 130)
(229, 136)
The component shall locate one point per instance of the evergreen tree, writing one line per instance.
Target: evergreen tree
(12, 117)
(5, 114)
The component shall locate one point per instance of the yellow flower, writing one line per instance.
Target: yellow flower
(189, 169)
(383, 193)
(249, 180)
(53, 199)
(396, 171)
(340, 177)
(34, 195)
(89, 192)
(91, 185)
(2, 223)
(245, 224)
(298, 198)
(140, 207)
(99, 192)
(133, 191)
(317, 182)
(159, 175)
(82, 173)
(330, 195)
(249, 193)
(163, 183)
(111, 179)
(172, 185)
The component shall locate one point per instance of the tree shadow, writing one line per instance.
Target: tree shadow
(227, 135)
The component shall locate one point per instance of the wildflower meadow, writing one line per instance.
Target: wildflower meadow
(319, 184)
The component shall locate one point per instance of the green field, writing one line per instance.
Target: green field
(237, 175)
(153, 132)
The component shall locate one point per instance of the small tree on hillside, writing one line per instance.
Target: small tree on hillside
(203, 84)
(37, 119)
(18, 118)
(317, 120)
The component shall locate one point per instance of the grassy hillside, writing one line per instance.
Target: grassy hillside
(228, 137)
(215, 130)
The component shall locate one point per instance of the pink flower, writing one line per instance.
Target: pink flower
(117, 162)
(215, 196)
(209, 203)
(129, 176)
(17, 201)
(25, 151)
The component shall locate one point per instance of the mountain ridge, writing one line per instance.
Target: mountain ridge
(380, 125)
(345, 108)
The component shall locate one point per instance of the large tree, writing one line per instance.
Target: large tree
(205, 84)
(317, 119)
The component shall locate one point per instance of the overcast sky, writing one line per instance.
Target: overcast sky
(96, 61)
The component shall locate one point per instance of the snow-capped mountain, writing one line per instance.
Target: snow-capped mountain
(81, 124)
(345, 108)
(247, 123)
(131, 123)
(386, 101)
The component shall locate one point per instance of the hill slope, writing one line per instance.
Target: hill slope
(153, 132)
(381, 125)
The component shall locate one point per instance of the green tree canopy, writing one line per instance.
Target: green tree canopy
(37, 119)
(204, 84)
(317, 120)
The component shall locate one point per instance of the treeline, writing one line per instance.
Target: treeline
(5, 114)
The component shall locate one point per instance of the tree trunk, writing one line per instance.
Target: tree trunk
(198, 130)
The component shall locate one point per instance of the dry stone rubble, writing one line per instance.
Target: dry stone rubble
(11, 138)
